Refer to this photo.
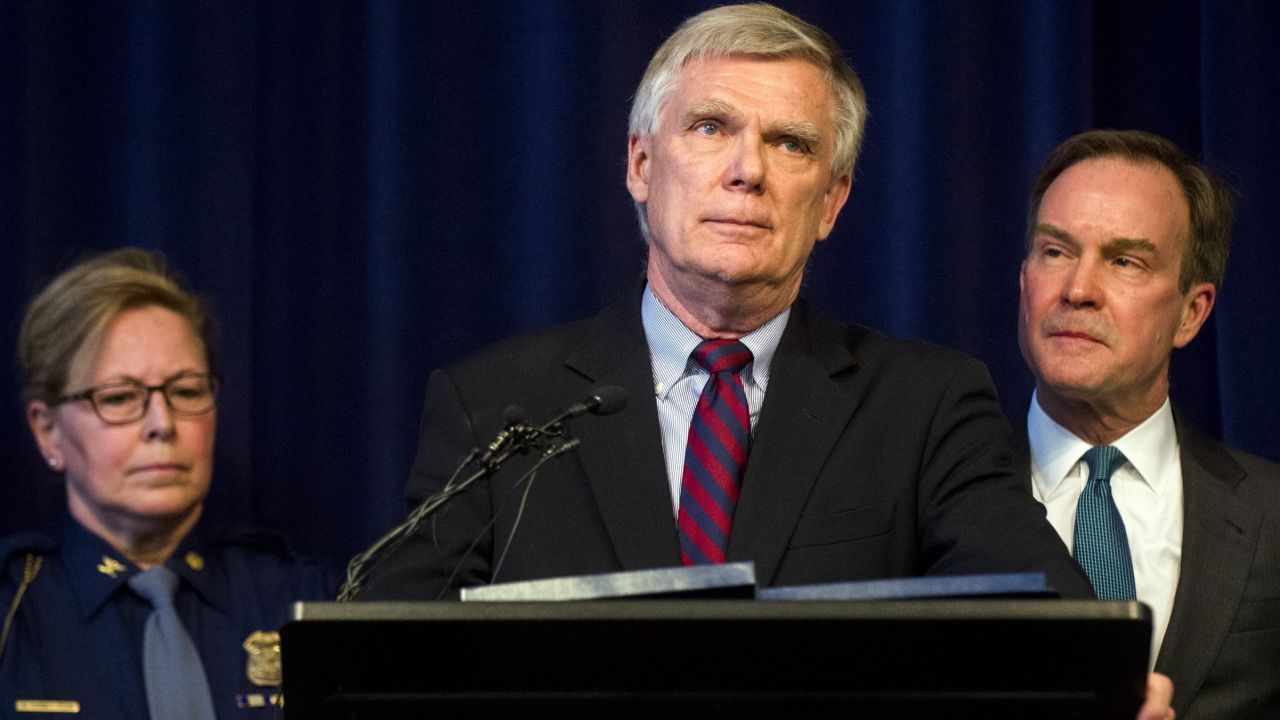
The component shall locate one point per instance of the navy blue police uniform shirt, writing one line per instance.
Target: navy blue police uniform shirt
(76, 637)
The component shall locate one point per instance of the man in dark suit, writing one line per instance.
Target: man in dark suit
(756, 428)
(1128, 241)
(864, 457)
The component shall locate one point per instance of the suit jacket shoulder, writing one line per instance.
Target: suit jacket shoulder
(1222, 647)
(616, 475)
(15, 548)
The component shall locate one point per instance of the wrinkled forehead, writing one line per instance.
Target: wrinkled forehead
(1137, 197)
(698, 63)
(783, 85)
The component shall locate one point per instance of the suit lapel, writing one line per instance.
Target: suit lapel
(1219, 539)
(1020, 442)
(804, 415)
(621, 454)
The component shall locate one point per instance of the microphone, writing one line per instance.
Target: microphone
(607, 400)
(516, 437)
(513, 427)
(603, 400)
(513, 415)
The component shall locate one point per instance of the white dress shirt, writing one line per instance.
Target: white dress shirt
(1147, 491)
(678, 380)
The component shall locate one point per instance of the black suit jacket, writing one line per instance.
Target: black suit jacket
(1222, 644)
(871, 458)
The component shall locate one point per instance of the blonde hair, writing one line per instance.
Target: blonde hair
(68, 319)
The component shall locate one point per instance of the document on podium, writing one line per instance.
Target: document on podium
(738, 581)
(726, 581)
(1001, 585)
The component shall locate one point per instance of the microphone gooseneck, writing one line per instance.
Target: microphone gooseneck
(516, 437)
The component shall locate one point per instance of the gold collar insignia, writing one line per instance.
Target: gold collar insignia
(110, 567)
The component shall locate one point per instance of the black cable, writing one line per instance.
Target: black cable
(527, 480)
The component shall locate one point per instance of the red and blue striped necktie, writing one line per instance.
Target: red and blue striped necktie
(715, 457)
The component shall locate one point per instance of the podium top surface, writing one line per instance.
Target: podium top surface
(701, 609)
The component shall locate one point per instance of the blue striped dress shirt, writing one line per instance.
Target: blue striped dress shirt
(678, 381)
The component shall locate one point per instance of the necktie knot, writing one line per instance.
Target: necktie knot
(1103, 460)
(156, 584)
(716, 356)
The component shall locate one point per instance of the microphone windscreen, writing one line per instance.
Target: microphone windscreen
(611, 399)
(513, 415)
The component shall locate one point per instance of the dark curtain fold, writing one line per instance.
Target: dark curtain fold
(367, 191)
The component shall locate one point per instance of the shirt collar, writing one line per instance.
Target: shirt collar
(97, 571)
(193, 562)
(1056, 450)
(671, 343)
(94, 568)
(1151, 446)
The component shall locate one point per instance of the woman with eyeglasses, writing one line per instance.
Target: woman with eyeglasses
(137, 609)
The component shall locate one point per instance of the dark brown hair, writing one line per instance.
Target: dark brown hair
(1208, 197)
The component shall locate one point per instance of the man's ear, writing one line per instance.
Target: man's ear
(638, 167)
(837, 195)
(1197, 303)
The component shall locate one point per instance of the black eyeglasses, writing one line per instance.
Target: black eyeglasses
(121, 403)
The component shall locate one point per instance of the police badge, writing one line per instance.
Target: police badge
(263, 649)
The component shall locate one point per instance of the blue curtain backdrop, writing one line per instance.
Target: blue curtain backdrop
(368, 191)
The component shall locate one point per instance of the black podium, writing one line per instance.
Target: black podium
(716, 658)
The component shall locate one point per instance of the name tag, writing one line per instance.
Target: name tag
(259, 700)
(67, 707)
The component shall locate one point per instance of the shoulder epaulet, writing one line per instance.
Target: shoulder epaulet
(22, 544)
(15, 549)
(256, 538)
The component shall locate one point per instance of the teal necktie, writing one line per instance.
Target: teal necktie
(177, 688)
(1101, 546)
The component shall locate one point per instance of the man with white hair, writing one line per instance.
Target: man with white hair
(757, 428)
(821, 452)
